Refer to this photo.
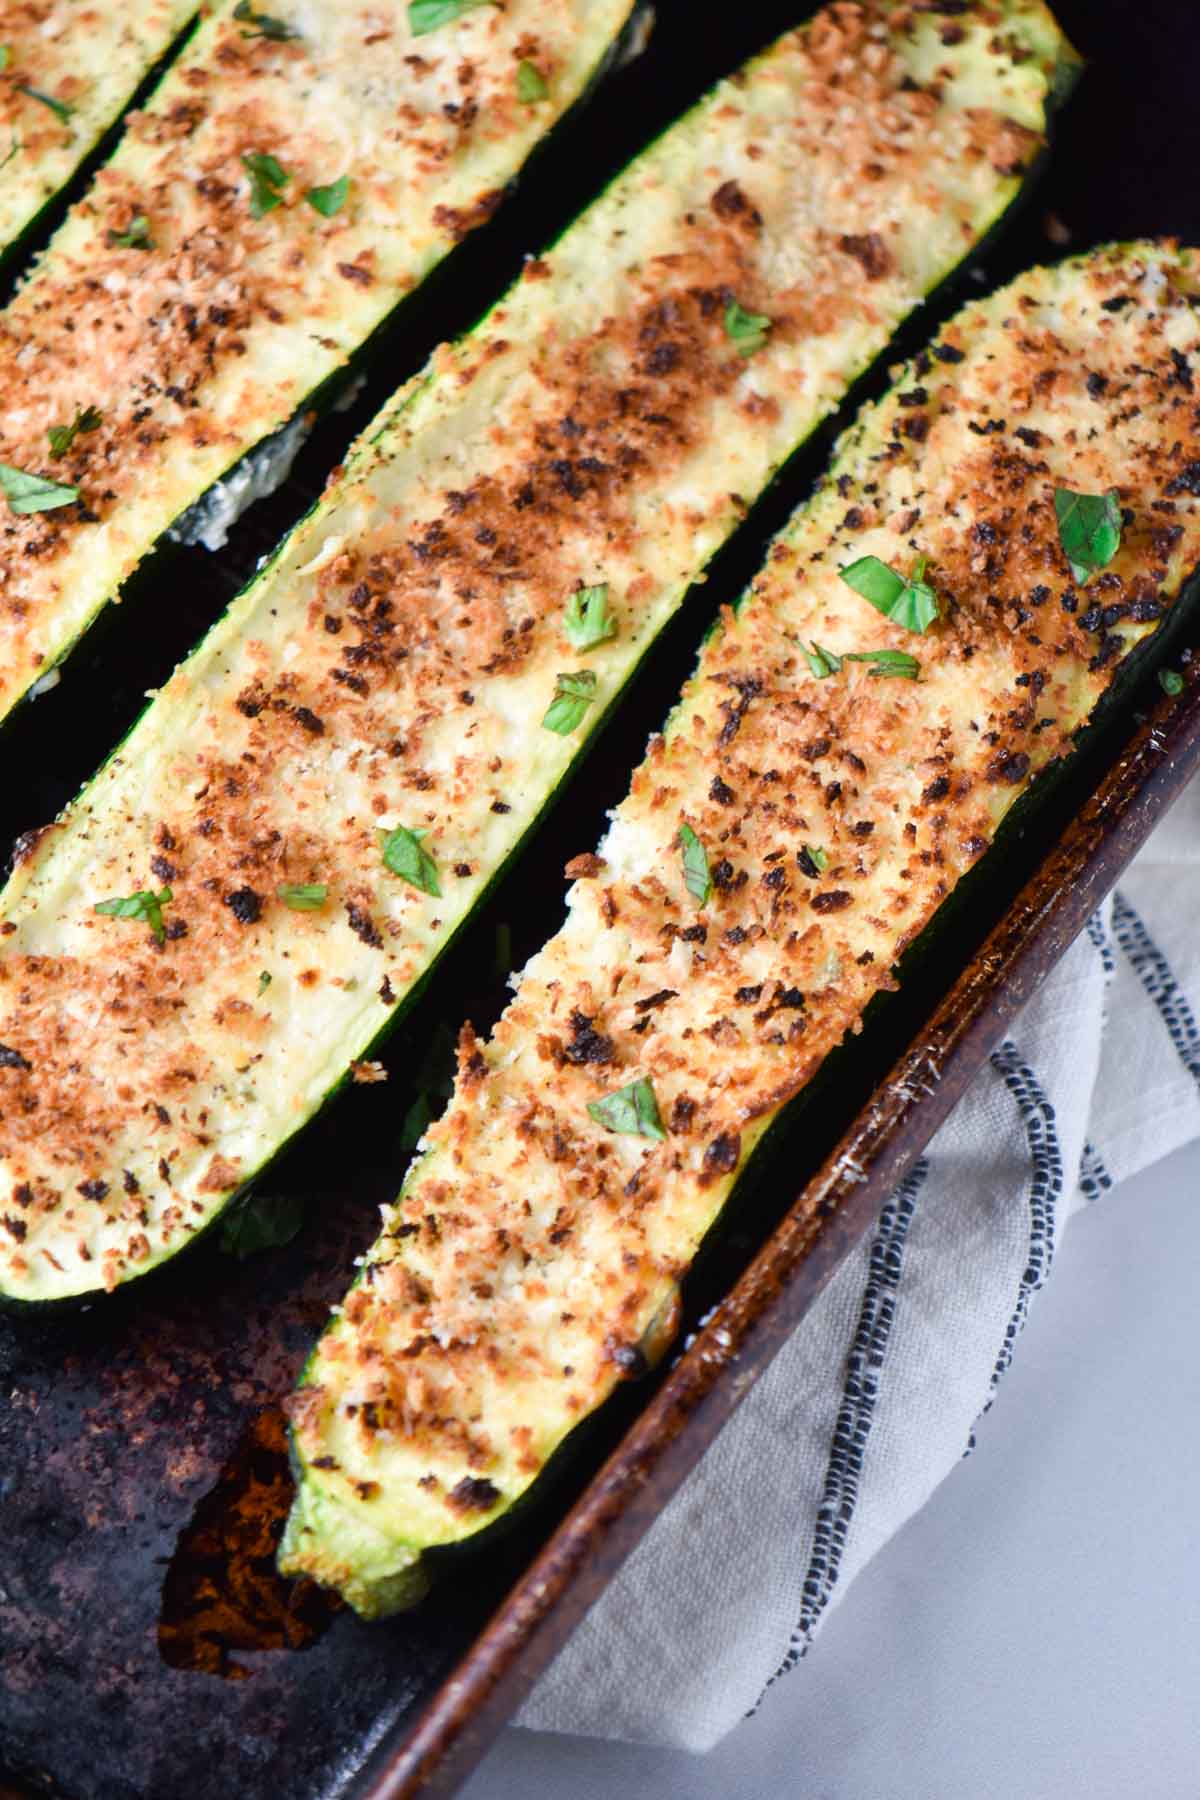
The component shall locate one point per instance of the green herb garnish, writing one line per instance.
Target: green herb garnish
(747, 330)
(632, 1110)
(587, 620)
(430, 15)
(145, 904)
(895, 663)
(1170, 681)
(822, 662)
(268, 178)
(59, 108)
(531, 84)
(910, 603)
(136, 238)
(5, 55)
(303, 896)
(264, 981)
(329, 200)
(816, 857)
(63, 436)
(573, 694)
(28, 493)
(404, 856)
(696, 877)
(263, 1223)
(1089, 530)
(262, 25)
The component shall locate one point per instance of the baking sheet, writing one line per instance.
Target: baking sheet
(146, 1648)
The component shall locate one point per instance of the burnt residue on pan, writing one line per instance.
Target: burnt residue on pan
(222, 1592)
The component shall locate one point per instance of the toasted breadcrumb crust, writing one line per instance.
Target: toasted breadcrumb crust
(68, 71)
(195, 328)
(532, 1249)
(393, 666)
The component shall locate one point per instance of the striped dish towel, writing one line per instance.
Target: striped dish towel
(884, 1387)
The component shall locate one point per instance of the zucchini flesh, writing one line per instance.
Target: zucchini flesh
(194, 299)
(392, 666)
(532, 1250)
(89, 69)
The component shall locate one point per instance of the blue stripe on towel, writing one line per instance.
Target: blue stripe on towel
(1155, 974)
(852, 1429)
(1045, 1190)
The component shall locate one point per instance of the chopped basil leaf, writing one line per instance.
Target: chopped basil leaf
(417, 1120)
(5, 55)
(63, 436)
(1170, 681)
(268, 178)
(145, 904)
(822, 662)
(329, 200)
(1089, 530)
(813, 855)
(896, 663)
(262, 1224)
(746, 329)
(59, 108)
(27, 493)
(531, 84)
(262, 25)
(573, 694)
(136, 238)
(404, 856)
(303, 897)
(696, 877)
(910, 603)
(587, 620)
(429, 15)
(632, 1110)
(264, 981)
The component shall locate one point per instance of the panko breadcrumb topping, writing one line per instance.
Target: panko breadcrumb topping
(322, 791)
(280, 193)
(591, 1142)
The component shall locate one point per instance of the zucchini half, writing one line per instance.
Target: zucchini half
(288, 184)
(66, 79)
(539, 1241)
(406, 671)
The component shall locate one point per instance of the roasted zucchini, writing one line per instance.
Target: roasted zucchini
(841, 758)
(215, 932)
(65, 77)
(287, 185)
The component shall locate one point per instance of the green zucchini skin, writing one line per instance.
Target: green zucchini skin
(533, 1248)
(216, 275)
(261, 763)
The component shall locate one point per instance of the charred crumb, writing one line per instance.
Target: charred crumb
(245, 905)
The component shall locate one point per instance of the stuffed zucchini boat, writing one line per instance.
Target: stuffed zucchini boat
(66, 74)
(926, 635)
(297, 172)
(216, 931)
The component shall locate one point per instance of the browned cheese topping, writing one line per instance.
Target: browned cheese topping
(393, 667)
(534, 1246)
(67, 72)
(198, 292)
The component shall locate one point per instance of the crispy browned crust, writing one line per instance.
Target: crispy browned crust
(370, 678)
(532, 1248)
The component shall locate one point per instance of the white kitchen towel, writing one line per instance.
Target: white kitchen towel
(882, 1389)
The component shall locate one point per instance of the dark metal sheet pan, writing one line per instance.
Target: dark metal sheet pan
(146, 1648)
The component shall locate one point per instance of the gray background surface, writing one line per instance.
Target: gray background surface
(1035, 1632)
